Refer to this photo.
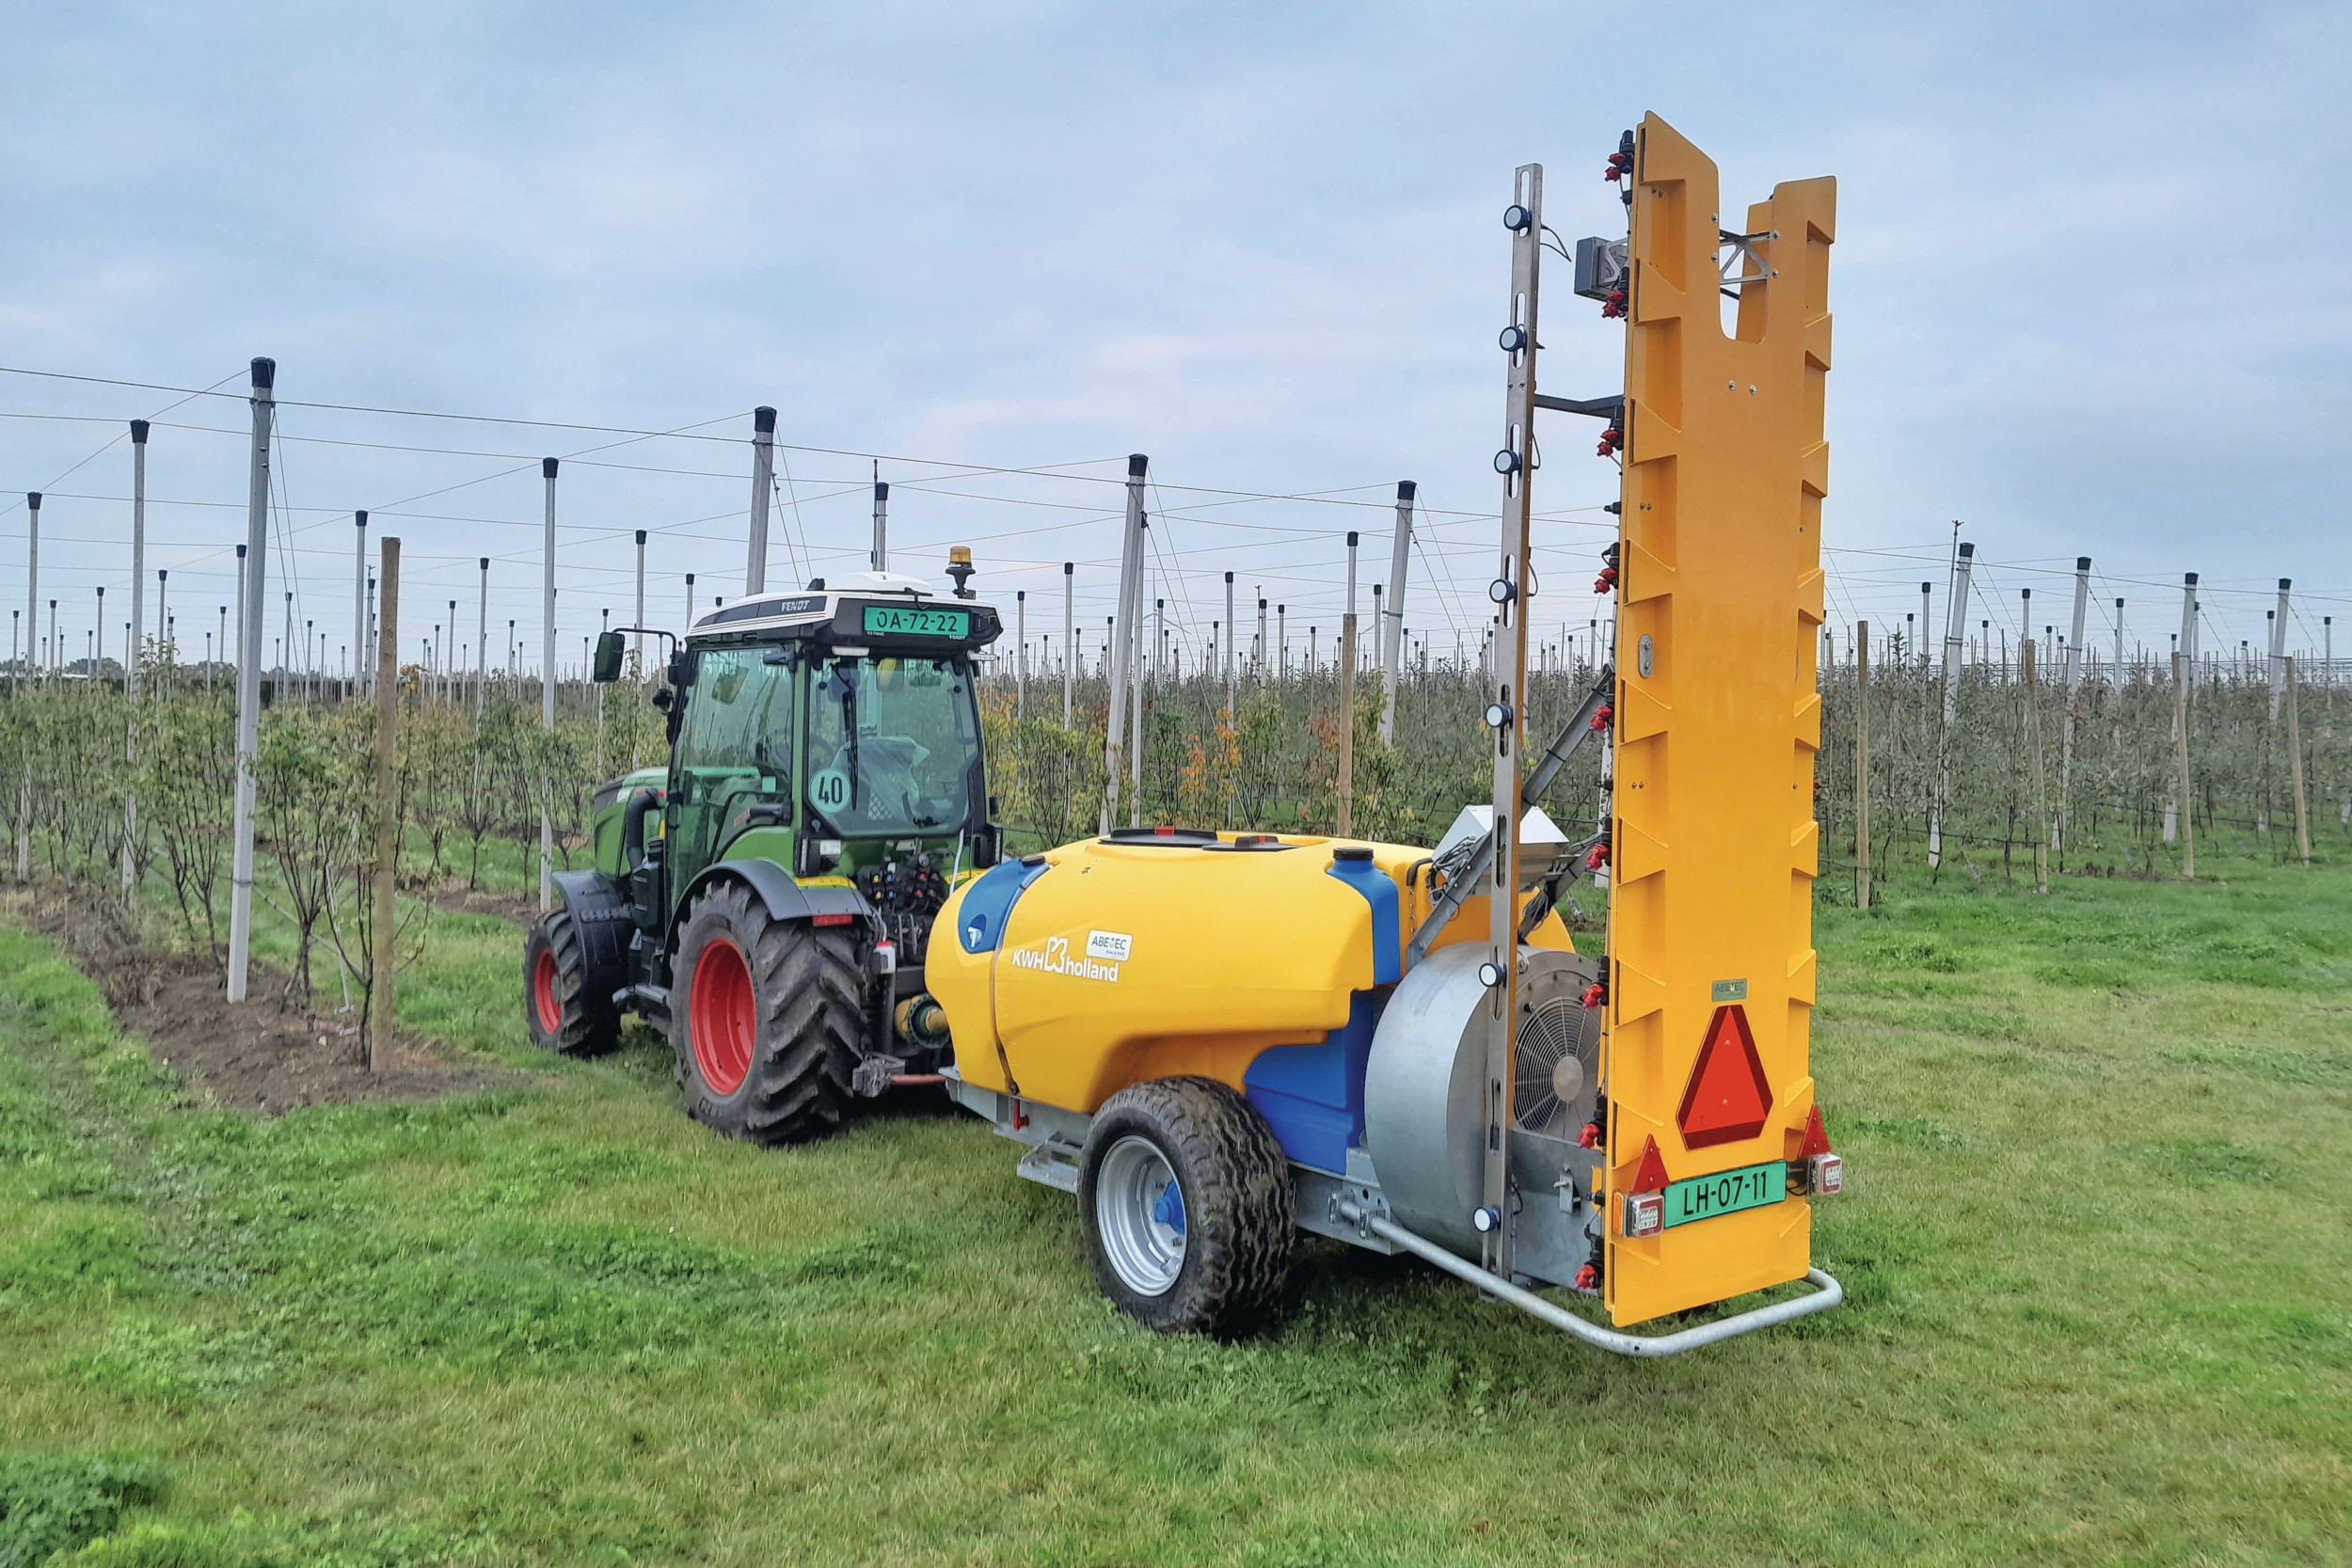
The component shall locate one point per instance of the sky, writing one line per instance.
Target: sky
(2087, 285)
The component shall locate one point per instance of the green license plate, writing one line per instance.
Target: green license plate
(1728, 1192)
(891, 621)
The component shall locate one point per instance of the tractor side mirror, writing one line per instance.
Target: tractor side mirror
(608, 665)
(988, 846)
(663, 699)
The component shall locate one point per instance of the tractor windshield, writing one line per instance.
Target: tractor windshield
(894, 746)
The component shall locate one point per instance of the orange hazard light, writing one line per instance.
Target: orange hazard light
(1729, 1096)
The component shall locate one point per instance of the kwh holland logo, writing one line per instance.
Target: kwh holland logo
(1055, 959)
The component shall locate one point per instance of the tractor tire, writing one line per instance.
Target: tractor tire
(563, 1017)
(767, 1017)
(1212, 1260)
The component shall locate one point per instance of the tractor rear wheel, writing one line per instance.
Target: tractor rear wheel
(1185, 1196)
(766, 1015)
(563, 1015)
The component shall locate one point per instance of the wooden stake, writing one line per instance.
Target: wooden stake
(381, 930)
(1862, 765)
(2295, 753)
(2033, 746)
(2180, 739)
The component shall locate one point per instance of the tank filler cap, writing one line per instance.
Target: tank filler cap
(1352, 852)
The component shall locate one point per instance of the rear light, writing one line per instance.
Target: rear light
(1817, 1176)
(885, 958)
(831, 919)
(1644, 1213)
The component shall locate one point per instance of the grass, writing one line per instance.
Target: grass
(2095, 1243)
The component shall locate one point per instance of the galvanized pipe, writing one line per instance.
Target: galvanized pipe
(1828, 1294)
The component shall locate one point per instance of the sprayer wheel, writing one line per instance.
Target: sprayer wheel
(766, 1015)
(1185, 1196)
(562, 1014)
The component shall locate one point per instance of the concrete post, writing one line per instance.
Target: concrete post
(359, 590)
(2278, 649)
(763, 480)
(1392, 635)
(546, 688)
(879, 557)
(640, 639)
(1129, 577)
(382, 929)
(1955, 629)
(1069, 639)
(250, 584)
(1862, 765)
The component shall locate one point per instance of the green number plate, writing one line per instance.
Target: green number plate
(1703, 1197)
(891, 621)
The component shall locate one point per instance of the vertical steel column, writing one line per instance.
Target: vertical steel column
(639, 648)
(763, 480)
(1345, 818)
(1021, 669)
(2073, 679)
(1392, 634)
(255, 578)
(547, 690)
(1069, 639)
(1233, 634)
(1862, 765)
(1505, 689)
(1955, 631)
(1133, 639)
(879, 559)
(2118, 645)
(131, 664)
(32, 574)
(1129, 573)
(360, 594)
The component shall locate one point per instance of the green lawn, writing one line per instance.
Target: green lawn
(2095, 1241)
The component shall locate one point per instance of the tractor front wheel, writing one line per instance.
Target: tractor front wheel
(1185, 1196)
(766, 1015)
(563, 1017)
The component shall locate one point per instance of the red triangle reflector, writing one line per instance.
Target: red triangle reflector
(1816, 1136)
(1650, 1175)
(1728, 1096)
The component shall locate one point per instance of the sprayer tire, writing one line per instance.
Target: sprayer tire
(563, 1015)
(781, 1038)
(1235, 1184)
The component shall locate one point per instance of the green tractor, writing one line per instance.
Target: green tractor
(768, 898)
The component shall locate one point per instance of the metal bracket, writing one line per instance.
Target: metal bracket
(1600, 409)
(1828, 1294)
(1742, 248)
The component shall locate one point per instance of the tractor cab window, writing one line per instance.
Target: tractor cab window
(735, 746)
(892, 745)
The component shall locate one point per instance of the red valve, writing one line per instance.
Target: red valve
(1593, 994)
(1609, 440)
(1601, 716)
(1607, 579)
(1590, 1137)
(1597, 857)
(1610, 310)
(1589, 1279)
(1619, 166)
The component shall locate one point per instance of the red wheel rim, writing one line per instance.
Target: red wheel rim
(723, 1016)
(543, 994)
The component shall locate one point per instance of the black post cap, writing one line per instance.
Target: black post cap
(2082, 564)
(485, 563)
(547, 468)
(240, 552)
(2286, 583)
(1136, 464)
(881, 489)
(32, 500)
(1967, 550)
(265, 374)
(2189, 577)
(689, 580)
(1407, 489)
(358, 519)
(1069, 568)
(138, 433)
(1229, 577)
(764, 420)
(1351, 538)
(641, 535)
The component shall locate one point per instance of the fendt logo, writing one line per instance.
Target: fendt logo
(1055, 959)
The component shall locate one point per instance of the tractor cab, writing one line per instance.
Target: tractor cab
(768, 897)
(835, 732)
